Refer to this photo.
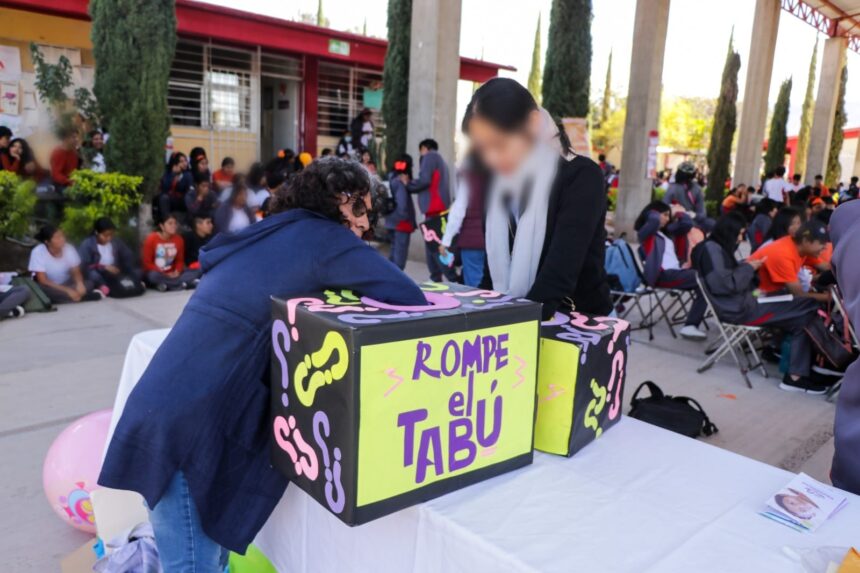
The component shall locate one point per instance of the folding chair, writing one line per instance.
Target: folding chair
(839, 308)
(734, 337)
(643, 294)
(665, 301)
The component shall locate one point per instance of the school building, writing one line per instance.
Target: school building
(241, 84)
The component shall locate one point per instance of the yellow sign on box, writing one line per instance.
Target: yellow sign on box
(434, 407)
(559, 362)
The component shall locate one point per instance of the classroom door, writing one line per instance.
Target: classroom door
(279, 120)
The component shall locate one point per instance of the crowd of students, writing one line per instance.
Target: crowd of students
(786, 227)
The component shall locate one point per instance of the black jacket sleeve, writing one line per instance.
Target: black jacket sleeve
(581, 208)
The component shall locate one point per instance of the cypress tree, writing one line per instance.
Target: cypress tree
(606, 104)
(395, 78)
(320, 16)
(133, 45)
(777, 138)
(567, 73)
(834, 168)
(534, 72)
(806, 115)
(725, 123)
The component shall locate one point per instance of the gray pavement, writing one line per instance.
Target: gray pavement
(59, 366)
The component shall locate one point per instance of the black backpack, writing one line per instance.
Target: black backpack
(679, 414)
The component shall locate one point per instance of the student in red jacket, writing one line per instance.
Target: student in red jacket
(163, 258)
(65, 159)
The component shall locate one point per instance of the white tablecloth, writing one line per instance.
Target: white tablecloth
(640, 499)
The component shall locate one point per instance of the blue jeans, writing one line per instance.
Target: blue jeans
(183, 547)
(399, 248)
(473, 266)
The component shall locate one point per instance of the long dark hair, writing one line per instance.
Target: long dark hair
(726, 231)
(320, 187)
(782, 221)
(26, 152)
(656, 205)
(506, 104)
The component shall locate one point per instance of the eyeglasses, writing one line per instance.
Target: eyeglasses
(359, 207)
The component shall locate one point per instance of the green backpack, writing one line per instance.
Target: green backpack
(39, 301)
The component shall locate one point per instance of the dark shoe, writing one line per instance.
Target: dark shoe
(802, 384)
(17, 312)
(770, 354)
(161, 287)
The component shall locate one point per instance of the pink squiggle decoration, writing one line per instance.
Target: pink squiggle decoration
(519, 372)
(306, 464)
(617, 374)
(553, 394)
(291, 312)
(375, 318)
(617, 325)
(429, 234)
(483, 293)
(437, 302)
(398, 380)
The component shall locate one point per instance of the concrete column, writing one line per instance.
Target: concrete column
(756, 91)
(825, 108)
(643, 109)
(434, 68)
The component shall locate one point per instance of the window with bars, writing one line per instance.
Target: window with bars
(341, 97)
(210, 86)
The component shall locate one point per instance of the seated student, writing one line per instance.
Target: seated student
(367, 161)
(57, 268)
(401, 222)
(223, 178)
(201, 199)
(107, 262)
(255, 183)
(220, 495)
(196, 238)
(199, 164)
(65, 159)
(765, 211)
(19, 159)
(786, 222)
(12, 301)
(93, 152)
(782, 261)
(659, 227)
(175, 184)
(730, 285)
(819, 189)
(163, 258)
(736, 200)
(234, 214)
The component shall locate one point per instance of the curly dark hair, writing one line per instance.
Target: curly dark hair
(320, 187)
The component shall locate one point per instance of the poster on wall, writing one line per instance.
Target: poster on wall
(10, 64)
(377, 407)
(9, 98)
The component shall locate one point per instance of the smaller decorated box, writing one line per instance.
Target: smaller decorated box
(378, 407)
(580, 380)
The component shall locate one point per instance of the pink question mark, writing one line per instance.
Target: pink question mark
(291, 312)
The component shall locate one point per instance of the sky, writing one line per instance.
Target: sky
(502, 31)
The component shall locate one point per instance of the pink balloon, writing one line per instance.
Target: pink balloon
(72, 467)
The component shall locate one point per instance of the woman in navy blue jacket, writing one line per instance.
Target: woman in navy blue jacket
(193, 436)
(662, 232)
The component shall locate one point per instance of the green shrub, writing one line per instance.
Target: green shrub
(93, 195)
(17, 203)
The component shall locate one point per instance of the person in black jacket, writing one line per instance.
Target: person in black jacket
(108, 263)
(546, 207)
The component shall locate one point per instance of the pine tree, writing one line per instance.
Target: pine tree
(777, 139)
(806, 115)
(567, 73)
(725, 123)
(534, 72)
(395, 78)
(133, 45)
(834, 168)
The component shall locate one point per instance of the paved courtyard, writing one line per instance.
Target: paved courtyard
(59, 366)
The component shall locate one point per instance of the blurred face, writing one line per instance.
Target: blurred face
(16, 149)
(57, 242)
(203, 164)
(71, 141)
(794, 225)
(203, 227)
(665, 217)
(169, 227)
(241, 199)
(355, 212)
(741, 191)
(4, 141)
(229, 168)
(203, 188)
(503, 152)
(811, 248)
(105, 237)
(817, 208)
(365, 157)
(98, 141)
(741, 236)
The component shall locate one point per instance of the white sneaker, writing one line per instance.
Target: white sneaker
(690, 332)
(17, 312)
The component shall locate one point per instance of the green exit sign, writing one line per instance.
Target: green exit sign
(339, 47)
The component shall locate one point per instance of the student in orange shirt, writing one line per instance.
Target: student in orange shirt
(223, 178)
(783, 259)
